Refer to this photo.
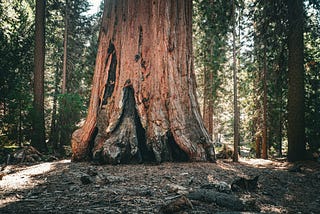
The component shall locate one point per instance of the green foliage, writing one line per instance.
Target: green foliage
(64, 111)
(16, 66)
(312, 83)
(80, 32)
(212, 21)
(262, 32)
(70, 109)
(265, 23)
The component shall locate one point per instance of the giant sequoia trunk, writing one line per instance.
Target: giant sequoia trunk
(143, 105)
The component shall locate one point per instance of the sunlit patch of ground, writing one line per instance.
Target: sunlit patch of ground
(24, 178)
(256, 162)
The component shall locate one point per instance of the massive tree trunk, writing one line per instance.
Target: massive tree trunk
(296, 121)
(143, 105)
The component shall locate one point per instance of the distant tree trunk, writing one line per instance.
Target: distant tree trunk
(53, 129)
(53, 137)
(208, 101)
(280, 133)
(20, 123)
(258, 145)
(63, 133)
(143, 105)
(257, 118)
(296, 117)
(264, 131)
(279, 94)
(236, 137)
(38, 124)
(65, 52)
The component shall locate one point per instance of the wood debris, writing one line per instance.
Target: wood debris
(222, 199)
(244, 184)
(177, 206)
(27, 154)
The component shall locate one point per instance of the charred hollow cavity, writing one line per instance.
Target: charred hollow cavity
(127, 142)
(109, 86)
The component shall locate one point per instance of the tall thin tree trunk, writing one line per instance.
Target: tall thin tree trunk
(65, 51)
(208, 101)
(38, 135)
(239, 68)
(54, 135)
(280, 131)
(264, 130)
(258, 117)
(236, 137)
(63, 133)
(20, 123)
(279, 94)
(296, 112)
(279, 106)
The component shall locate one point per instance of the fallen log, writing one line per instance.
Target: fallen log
(221, 199)
(236, 212)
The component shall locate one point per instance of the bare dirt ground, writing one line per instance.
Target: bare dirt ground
(66, 187)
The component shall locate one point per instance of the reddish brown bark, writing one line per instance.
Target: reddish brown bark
(208, 101)
(265, 128)
(258, 145)
(38, 123)
(143, 104)
(236, 124)
(65, 50)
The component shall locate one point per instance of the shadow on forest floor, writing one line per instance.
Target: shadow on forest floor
(66, 187)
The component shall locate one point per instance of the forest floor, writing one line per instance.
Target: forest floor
(67, 187)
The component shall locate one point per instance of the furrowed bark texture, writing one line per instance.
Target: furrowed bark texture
(143, 105)
(208, 101)
(296, 109)
(38, 123)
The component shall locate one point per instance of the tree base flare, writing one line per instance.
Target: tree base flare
(127, 141)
